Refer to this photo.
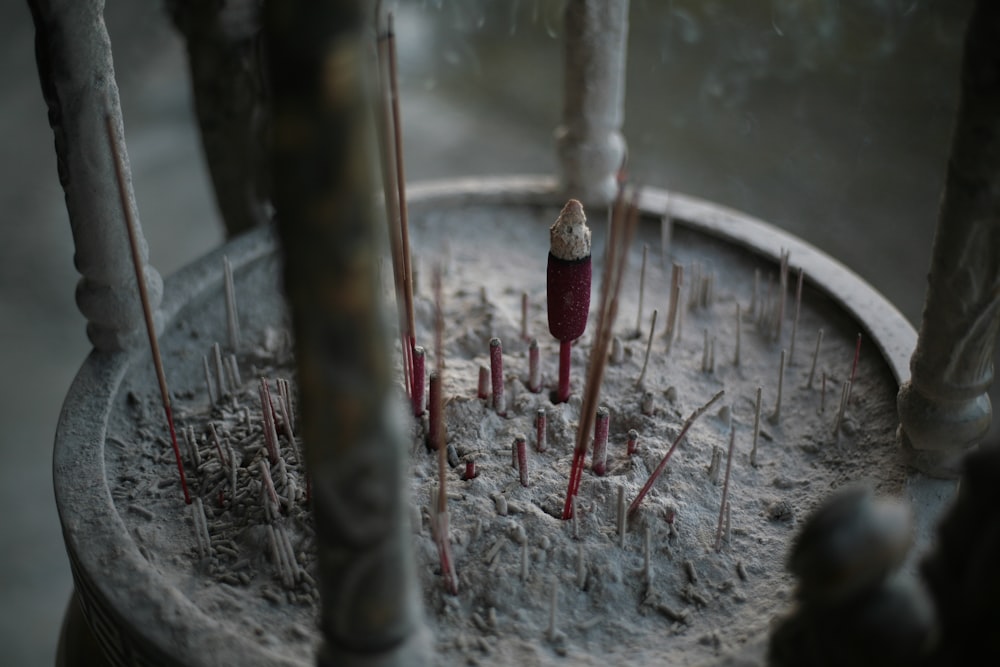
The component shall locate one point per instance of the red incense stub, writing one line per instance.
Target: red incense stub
(521, 455)
(633, 442)
(484, 383)
(534, 368)
(568, 284)
(540, 430)
(419, 357)
(496, 375)
(434, 419)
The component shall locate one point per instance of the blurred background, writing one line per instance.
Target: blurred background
(829, 119)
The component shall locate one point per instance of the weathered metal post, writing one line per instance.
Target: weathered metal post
(326, 219)
(78, 80)
(224, 58)
(944, 409)
(589, 141)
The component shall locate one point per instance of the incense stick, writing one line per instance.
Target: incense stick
(663, 462)
(725, 489)
(623, 223)
(404, 225)
(147, 310)
(386, 136)
(441, 532)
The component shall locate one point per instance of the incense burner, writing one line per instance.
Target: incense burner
(147, 604)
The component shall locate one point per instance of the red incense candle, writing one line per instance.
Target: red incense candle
(568, 285)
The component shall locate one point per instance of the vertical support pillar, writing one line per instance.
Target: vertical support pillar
(589, 141)
(224, 57)
(324, 203)
(944, 409)
(78, 80)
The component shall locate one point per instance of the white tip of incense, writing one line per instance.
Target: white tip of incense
(569, 236)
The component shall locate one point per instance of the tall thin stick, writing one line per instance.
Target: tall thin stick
(812, 368)
(147, 310)
(404, 224)
(663, 463)
(795, 318)
(642, 289)
(676, 281)
(441, 533)
(232, 316)
(386, 135)
(649, 346)
(725, 489)
(854, 368)
(623, 223)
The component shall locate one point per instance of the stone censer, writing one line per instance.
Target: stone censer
(367, 589)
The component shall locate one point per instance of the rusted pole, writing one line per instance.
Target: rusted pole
(77, 74)
(944, 409)
(321, 162)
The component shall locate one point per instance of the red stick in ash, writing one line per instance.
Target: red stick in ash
(568, 285)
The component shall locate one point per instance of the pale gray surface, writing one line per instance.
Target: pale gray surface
(834, 126)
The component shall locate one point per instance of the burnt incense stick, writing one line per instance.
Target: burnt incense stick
(812, 368)
(524, 317)
(782, 294)
(599, 464)
(776, 415)
(496, 376)
(483, 389)
(623, 223)
(844, 396)
(854, 367)
(666, 232)
(521, 455)
(441, 522)
(419, 368)
(795, 318)
(725, 489)
(632, 443)
(663, 462)
(208, 381)
(232, 316)
(822, 393)
(642, 289)
(649, 346)
(739, 325)
(540, 430)
(756, 428)
(534, 368)
(676, 281)
(220, 372)
(147, 310)
(620, 515)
